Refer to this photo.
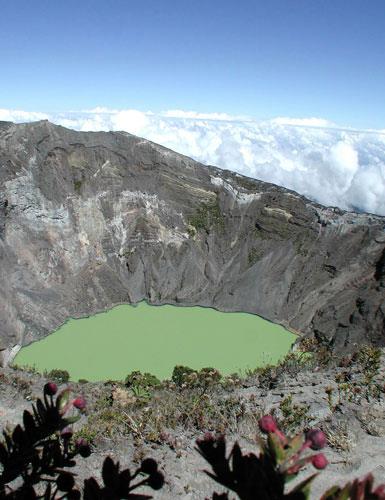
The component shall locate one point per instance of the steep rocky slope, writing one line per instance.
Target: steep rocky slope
(90, 220)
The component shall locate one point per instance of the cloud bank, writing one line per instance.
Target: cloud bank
(332, 165)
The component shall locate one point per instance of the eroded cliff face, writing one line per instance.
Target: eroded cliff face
(89, 220)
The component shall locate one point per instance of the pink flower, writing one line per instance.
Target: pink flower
(319, 461)
(50, 388)
(380, 491)
(66, 433)
(316, 439)
(79, 403)
(267, 424)
(208, 436)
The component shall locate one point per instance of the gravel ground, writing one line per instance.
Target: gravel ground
(356, 431)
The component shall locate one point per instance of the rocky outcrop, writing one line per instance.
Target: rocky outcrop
(89, 220)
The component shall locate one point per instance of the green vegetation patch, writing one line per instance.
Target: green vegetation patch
(254, 255)
(77, 185)
(207, 216)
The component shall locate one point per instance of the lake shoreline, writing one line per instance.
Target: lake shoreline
(239, 336)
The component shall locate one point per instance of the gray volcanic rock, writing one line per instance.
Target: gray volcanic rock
(90, 220)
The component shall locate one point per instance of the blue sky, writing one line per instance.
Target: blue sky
(296, 58)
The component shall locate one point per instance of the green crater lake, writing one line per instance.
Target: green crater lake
(154, 339)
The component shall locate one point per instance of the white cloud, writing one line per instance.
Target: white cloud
(303, 122)
(334, 166)
(179, 113)
(20, 116)
(129, 120)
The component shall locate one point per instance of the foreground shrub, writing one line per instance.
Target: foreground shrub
(35, 457)
(265, 476)
(359, 489)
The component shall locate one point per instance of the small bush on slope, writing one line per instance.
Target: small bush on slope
(61, 376)
(143, 380)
